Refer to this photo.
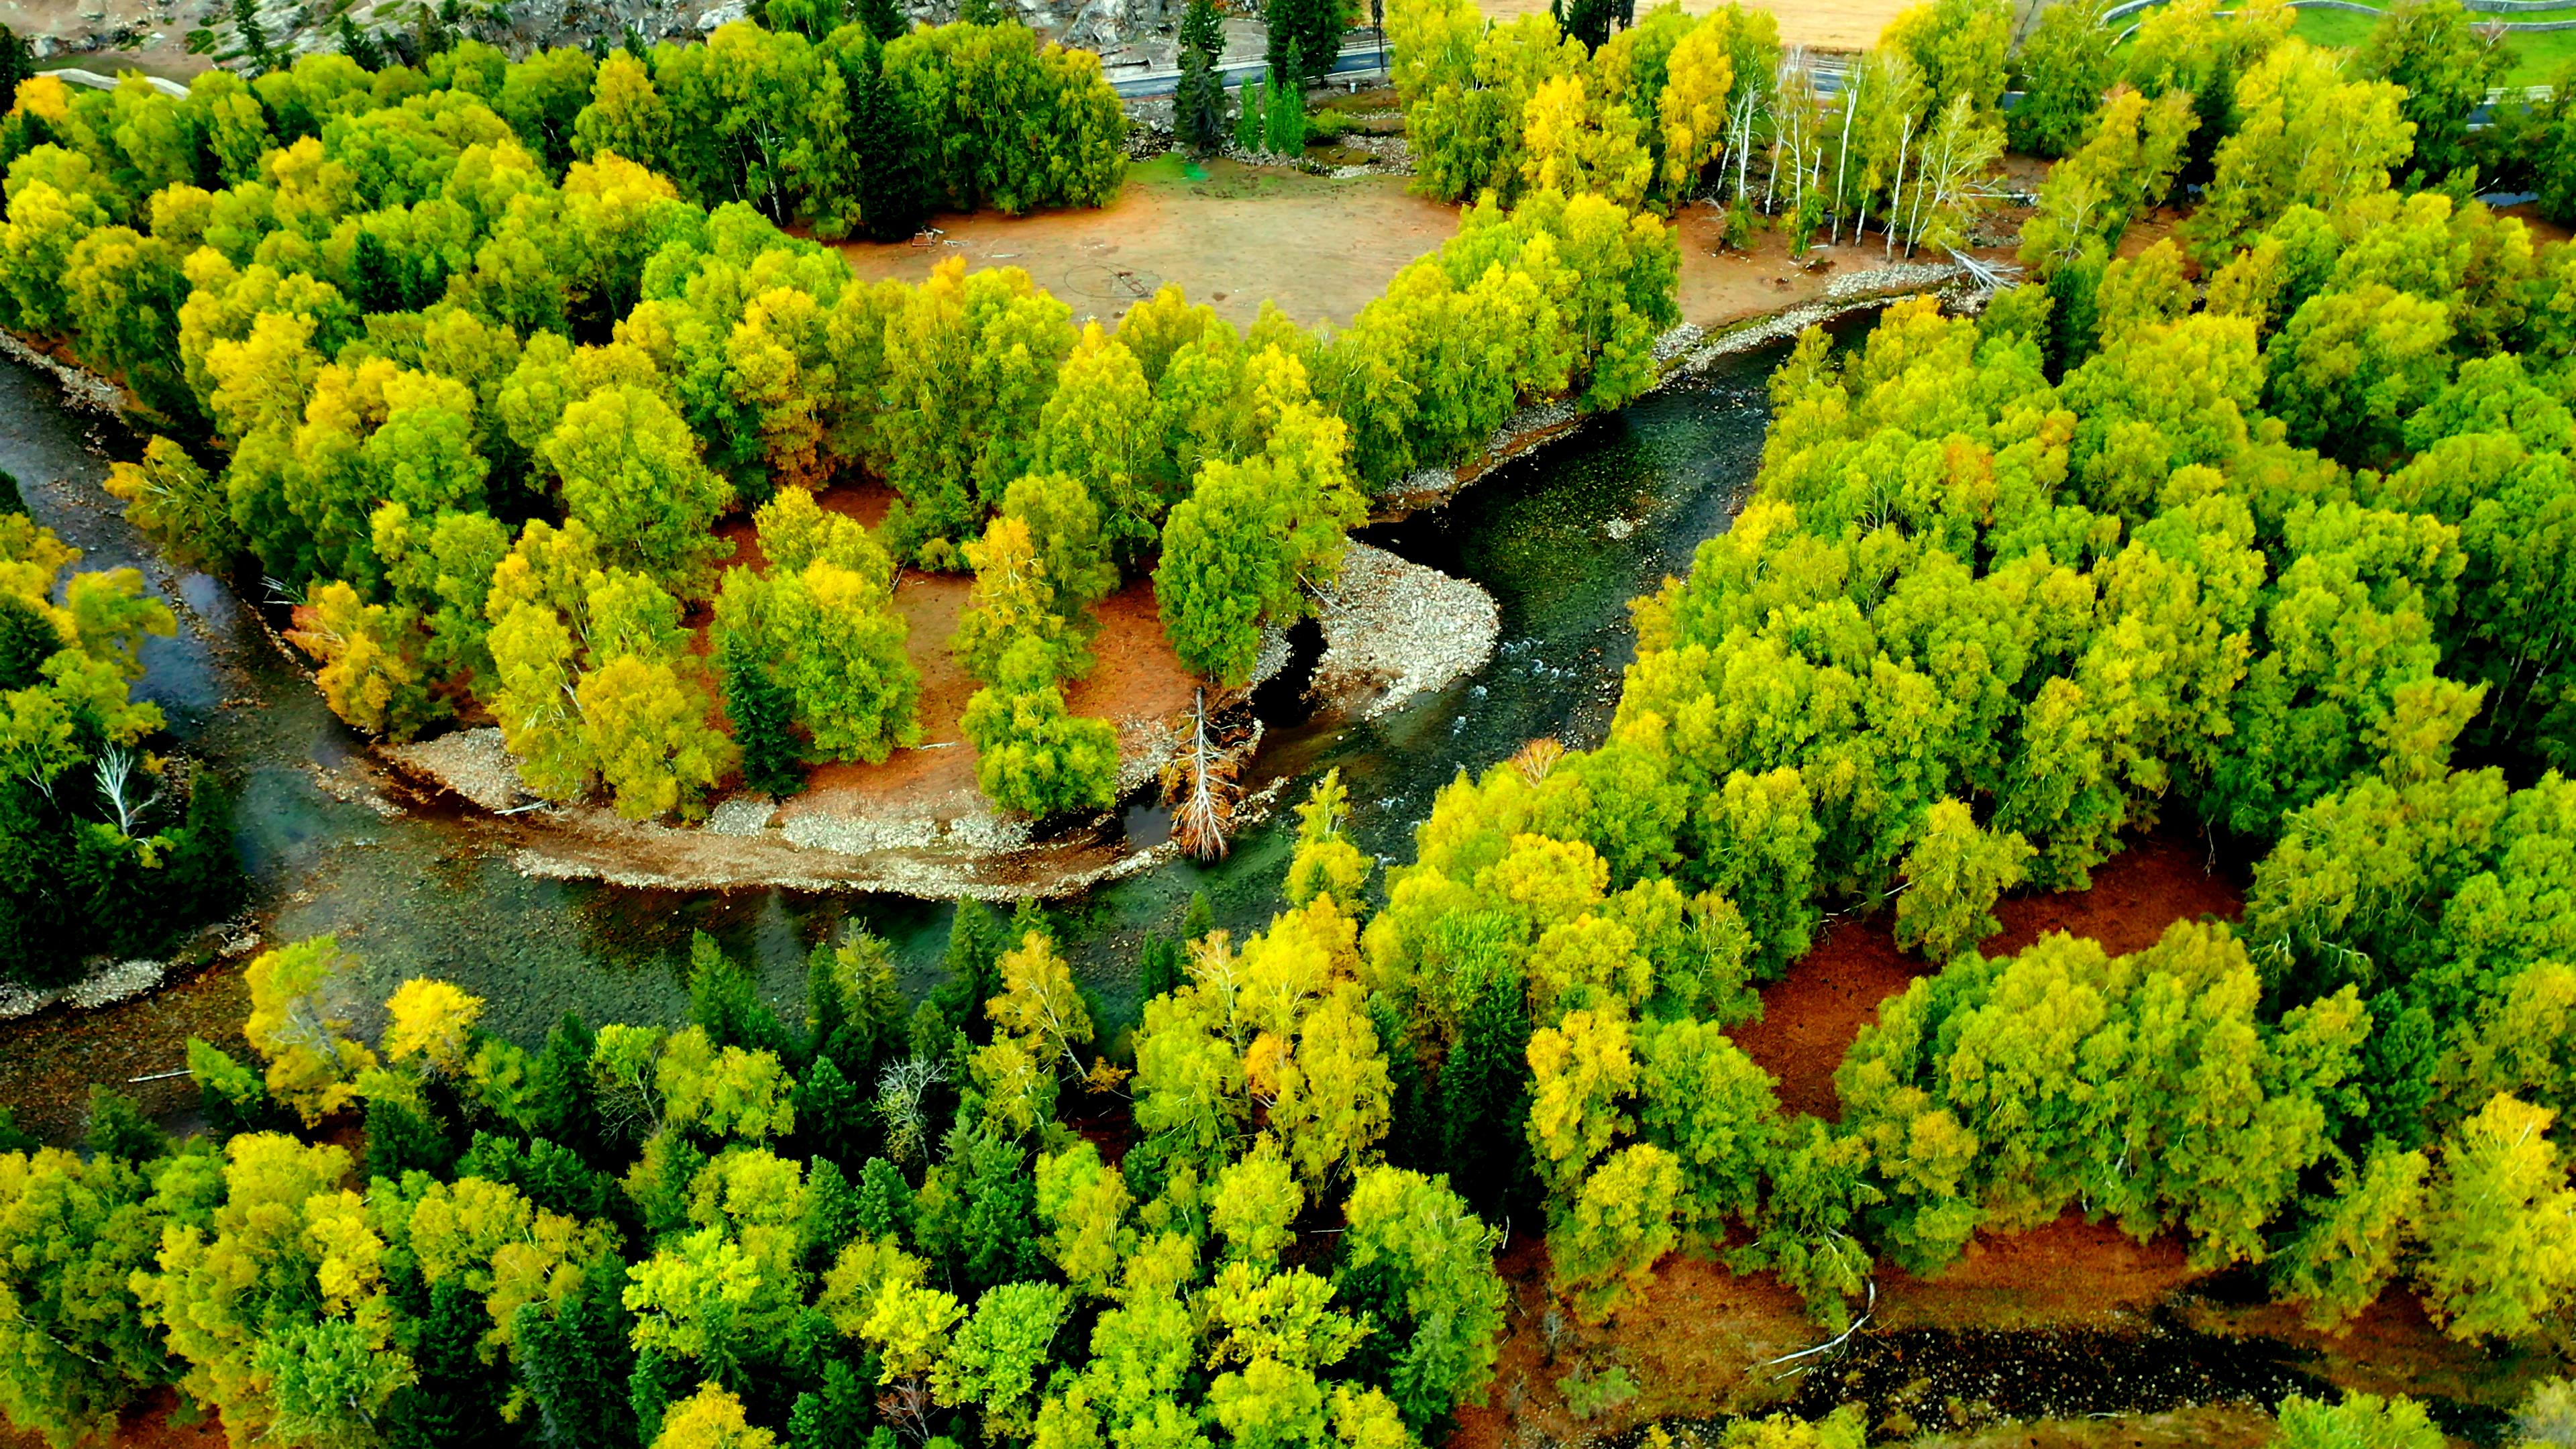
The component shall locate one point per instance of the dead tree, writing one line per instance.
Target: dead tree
(1200, 787)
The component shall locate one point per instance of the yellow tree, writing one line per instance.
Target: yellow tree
(312, 1066)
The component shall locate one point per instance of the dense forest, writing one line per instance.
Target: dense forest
(2256, 532)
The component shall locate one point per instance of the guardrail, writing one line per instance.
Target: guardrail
(1357, 59)
(73, 76)
(2127, 8)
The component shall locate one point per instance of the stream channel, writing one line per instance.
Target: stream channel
(1563, 537)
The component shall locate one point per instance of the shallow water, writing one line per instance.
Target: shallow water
(1563, 537)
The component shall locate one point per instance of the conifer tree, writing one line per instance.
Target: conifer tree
(1198, 106)
(760, 711)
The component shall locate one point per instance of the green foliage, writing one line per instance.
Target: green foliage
(2446, 66)
(2064, 67)
(2360, 1421)
(1953, 875)
(1032, 754)
(1198, 103)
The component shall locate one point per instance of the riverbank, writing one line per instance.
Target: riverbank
(1392, 631)
(1684, 352)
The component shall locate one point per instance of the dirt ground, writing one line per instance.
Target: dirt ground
(1811, 1015)
(1136, 678)
(1228, 235)
(1320, 248)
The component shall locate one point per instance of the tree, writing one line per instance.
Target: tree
(1960, 46)
(761, 713)
(2307, 137)
(2064, 68)
(1579, 1069)
(2360, 1421)
(996, 1360)
(711, 1418)
(2499, 1225)
(1198, 104)
(1098, 428)
(1703, 1100)
(72, 1237)
(1619, 1225)
(630, 470)
(2349, 367)
(371, 675)
(1953, 875)
(312, 1067)
(1305, 41)
(840, 650)
(2446, 66)
(970, 363)
(1420, 1265)
(1032, 754)
(1222, 570)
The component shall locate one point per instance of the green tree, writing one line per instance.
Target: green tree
(2499, 1226)
(630, 471)
(2446, 66)
(2064, 67)
(1223, 569)
(761, 713)
(1305, 40)
(2360, 1421)
(1032, 754)
(1420, 1265)
(1198, 104)
(1954, 873)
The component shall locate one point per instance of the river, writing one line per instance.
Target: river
(1563, 537)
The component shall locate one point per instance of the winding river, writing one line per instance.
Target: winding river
(1563, 537)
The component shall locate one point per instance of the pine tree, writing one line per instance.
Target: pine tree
(1248, 112)
(574, 1361)
(1284, 127)
(1305, 38)
(17, 62)
(759, 709)
(893, 192)
(882, 19)
(359, 46)
(1198, 106)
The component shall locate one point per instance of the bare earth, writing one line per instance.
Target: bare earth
(1321, 248)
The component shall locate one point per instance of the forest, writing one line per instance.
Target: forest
(2256, 532)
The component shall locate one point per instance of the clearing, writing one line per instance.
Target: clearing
(1810, 1016)
(1233, 236)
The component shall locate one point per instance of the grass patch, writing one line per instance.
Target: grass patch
(1172, 168)
(2537, 58)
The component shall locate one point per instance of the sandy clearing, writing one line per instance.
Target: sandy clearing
(1231, 237)
(1321, 249)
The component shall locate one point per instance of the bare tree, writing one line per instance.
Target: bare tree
(1200, 786)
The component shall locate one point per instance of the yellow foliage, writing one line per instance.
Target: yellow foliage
(433, 1021)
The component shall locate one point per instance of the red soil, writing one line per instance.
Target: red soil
(1811, 1016)
(1135, 677)
(2065, 1272)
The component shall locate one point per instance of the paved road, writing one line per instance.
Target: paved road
(1357, 58)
